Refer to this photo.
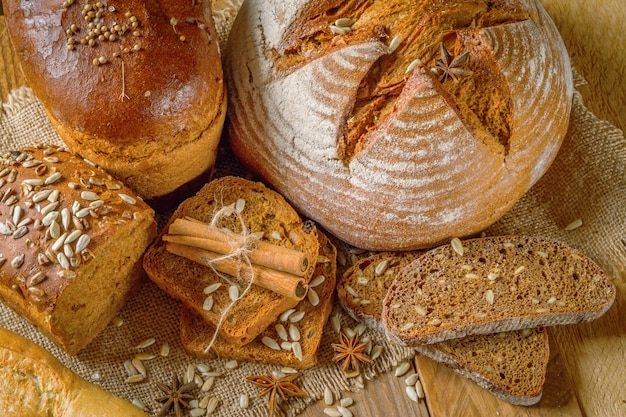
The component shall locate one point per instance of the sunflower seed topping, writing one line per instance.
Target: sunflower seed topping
(83, 242)
(63, 261)
(296, 347)
(41, 195)
(128, 199)
(212, 288)
(35, 182)
(282, 332)
(18, 261)
(270, 343)
(53, 178)
(49, 208)
(89, 195)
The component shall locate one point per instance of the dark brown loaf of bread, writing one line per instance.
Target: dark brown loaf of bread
(371, 120)
(497, 284)
(71, 243)
(134, 86)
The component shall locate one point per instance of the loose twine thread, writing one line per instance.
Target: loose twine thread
(241, 248)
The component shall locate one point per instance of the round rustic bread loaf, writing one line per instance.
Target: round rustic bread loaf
(398, 124)
(134, 86)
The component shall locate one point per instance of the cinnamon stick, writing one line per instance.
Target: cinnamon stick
(201, 235)
(282, 283)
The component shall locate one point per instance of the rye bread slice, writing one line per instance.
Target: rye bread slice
(264, 211)
(498, 284)
(361, 289)
(511, 365)
(196, 334)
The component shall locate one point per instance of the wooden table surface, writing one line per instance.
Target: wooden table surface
(586, 376)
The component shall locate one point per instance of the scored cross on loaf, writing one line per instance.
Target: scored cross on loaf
(371, 120)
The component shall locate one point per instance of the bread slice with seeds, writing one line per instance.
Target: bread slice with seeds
(491, 285)
(361, 289)
(262, 211)
(274, 345)
(511, 365)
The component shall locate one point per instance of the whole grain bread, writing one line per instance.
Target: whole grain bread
(370, 130)
(497, 284)
(71, 243)
(511, 365)
(33, 383)
(196, 333)
(362, 288)
(262, 211)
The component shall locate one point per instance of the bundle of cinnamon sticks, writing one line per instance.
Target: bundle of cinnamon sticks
(270, 266)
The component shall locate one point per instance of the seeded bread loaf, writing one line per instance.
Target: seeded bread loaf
(263, 211)
(369, 117)
(33, 383)
(276, 345)
(511, 365)
(497, 284)
(135, 86)
(71, 242)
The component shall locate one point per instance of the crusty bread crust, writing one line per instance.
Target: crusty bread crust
(386, 159)
(34, 383)
(72, 242)
(498, 284)
(196, 333)
(143, 98)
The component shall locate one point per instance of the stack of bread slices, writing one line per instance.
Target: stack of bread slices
(234, 315)
(480, 306)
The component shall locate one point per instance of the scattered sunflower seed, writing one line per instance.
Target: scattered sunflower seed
(244, 401)
(332, 412)
(145, 343)
(402, 368)
(328, 396)
(344, 411)
(411, 379)
(412, 394)
(457, 246)
(346, 402)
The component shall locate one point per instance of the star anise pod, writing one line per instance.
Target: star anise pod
(450, 67)
(281, 386)
(350, 352)
(175, 396)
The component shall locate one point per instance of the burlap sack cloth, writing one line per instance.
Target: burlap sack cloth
(587, 182)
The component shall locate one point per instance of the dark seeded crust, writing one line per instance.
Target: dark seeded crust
(264, 211)
(376, 287)
(539, 282)
(195, 333)
(511, 365)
